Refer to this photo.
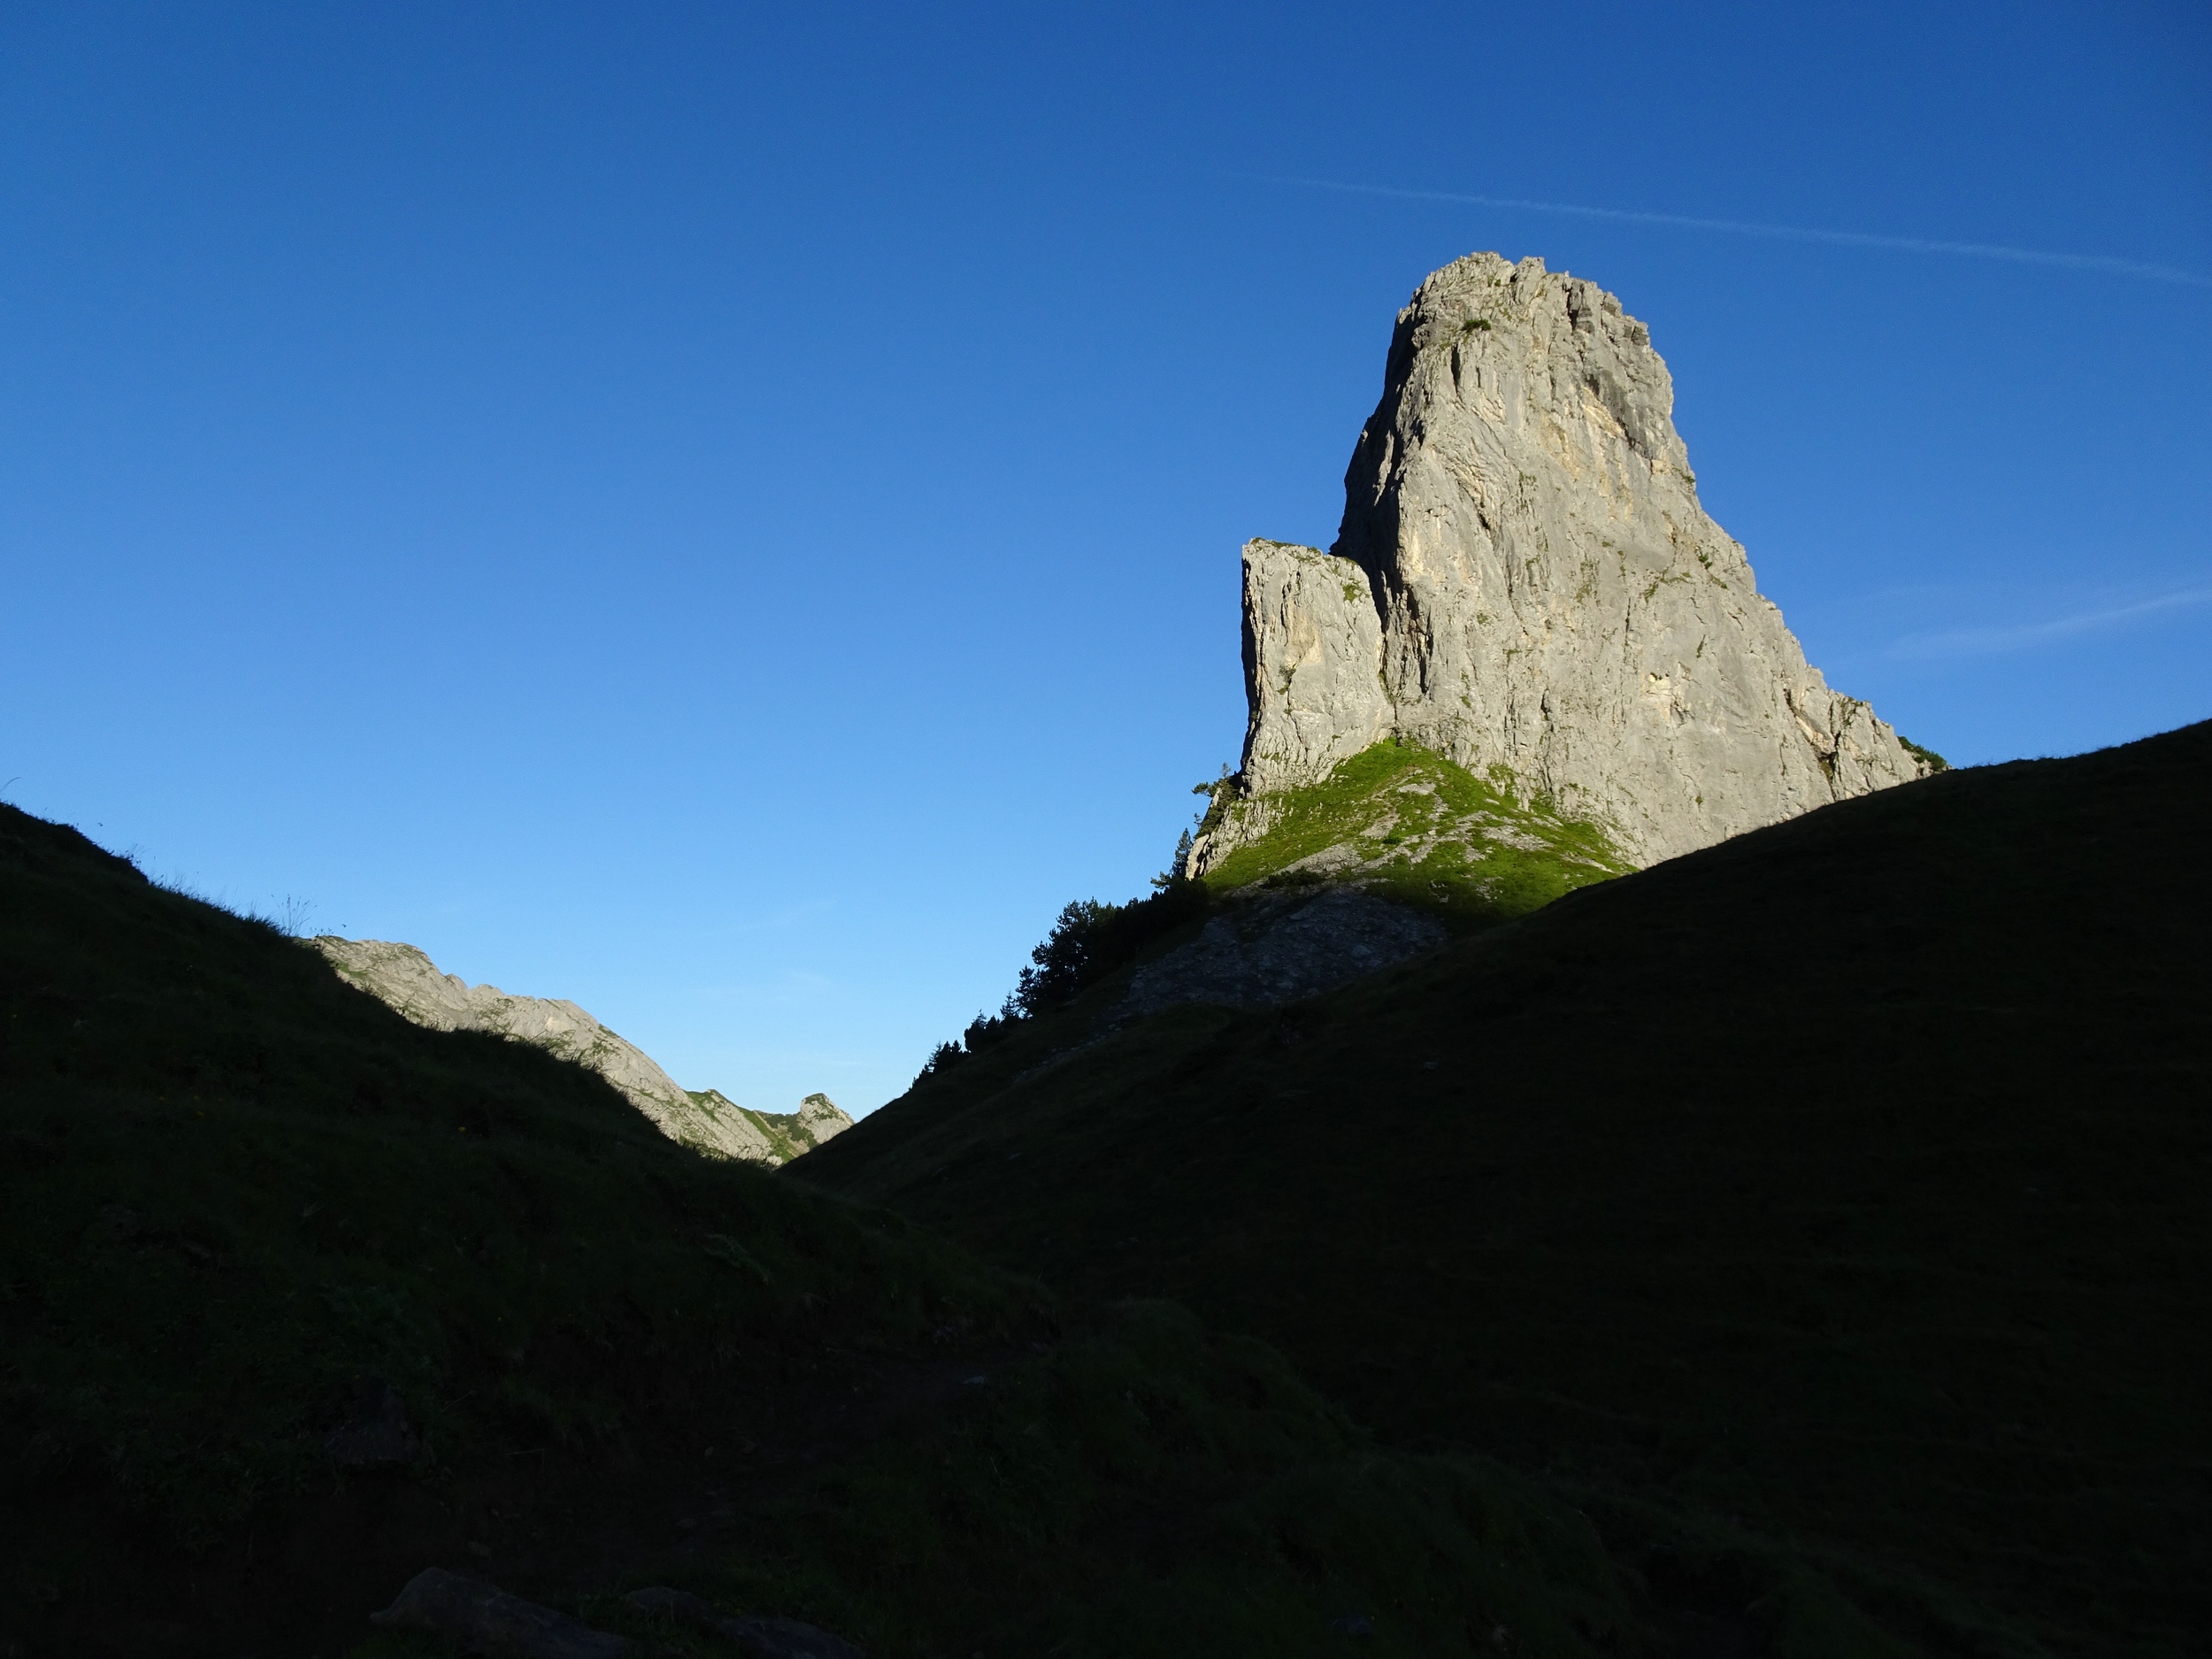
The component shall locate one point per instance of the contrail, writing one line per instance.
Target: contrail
(1785, 233)
(1984, 641)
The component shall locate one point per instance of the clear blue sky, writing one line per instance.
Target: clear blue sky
(730, 514)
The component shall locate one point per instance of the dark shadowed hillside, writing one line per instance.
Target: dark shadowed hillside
(298, 1298)
(1846, 1182)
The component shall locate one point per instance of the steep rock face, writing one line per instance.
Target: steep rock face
(409, 982)
(1313, 652)
(1524, 579)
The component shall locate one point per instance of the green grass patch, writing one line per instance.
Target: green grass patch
(1411, 825)
(1927, 757)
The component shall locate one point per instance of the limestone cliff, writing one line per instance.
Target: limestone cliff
(789, 1134)
(818, 1119)
(409, 982)
(1523, 583)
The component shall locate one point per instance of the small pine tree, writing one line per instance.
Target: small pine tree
(1179, 870)
(945, 1055)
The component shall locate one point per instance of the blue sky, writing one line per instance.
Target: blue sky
(730, 515)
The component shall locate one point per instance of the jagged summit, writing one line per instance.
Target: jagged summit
(1523, 583)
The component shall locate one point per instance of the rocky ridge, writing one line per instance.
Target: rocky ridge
(406, 980)
(789, 1134)
(1523, 581)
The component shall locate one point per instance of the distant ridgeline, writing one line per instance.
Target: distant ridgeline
(1530, 662)
(406, 980)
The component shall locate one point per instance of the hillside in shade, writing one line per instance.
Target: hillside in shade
(1843, 1181)
(300, 1298)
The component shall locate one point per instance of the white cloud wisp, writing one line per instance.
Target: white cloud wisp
(2103, 263)
(2025, 636)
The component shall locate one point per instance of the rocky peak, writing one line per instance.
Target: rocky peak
(1525, 583)
(818, 1119)
(788, 1134)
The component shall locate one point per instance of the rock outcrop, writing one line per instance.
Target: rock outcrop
(1279, 948)
(1523, 583)
(818, 1119)
(789, 1134)
(409, 981)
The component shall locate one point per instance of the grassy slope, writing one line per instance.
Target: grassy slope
(1846, 1179)
(1142, 1490)
(235, 1188)
(1421, 830)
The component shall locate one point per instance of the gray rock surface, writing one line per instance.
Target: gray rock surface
(478, 1618)
(1313, 646)
(1524, 578)
(1279, 948)
(757, 1636)
(408, 980)
(821, 1118)
(791, 1134)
